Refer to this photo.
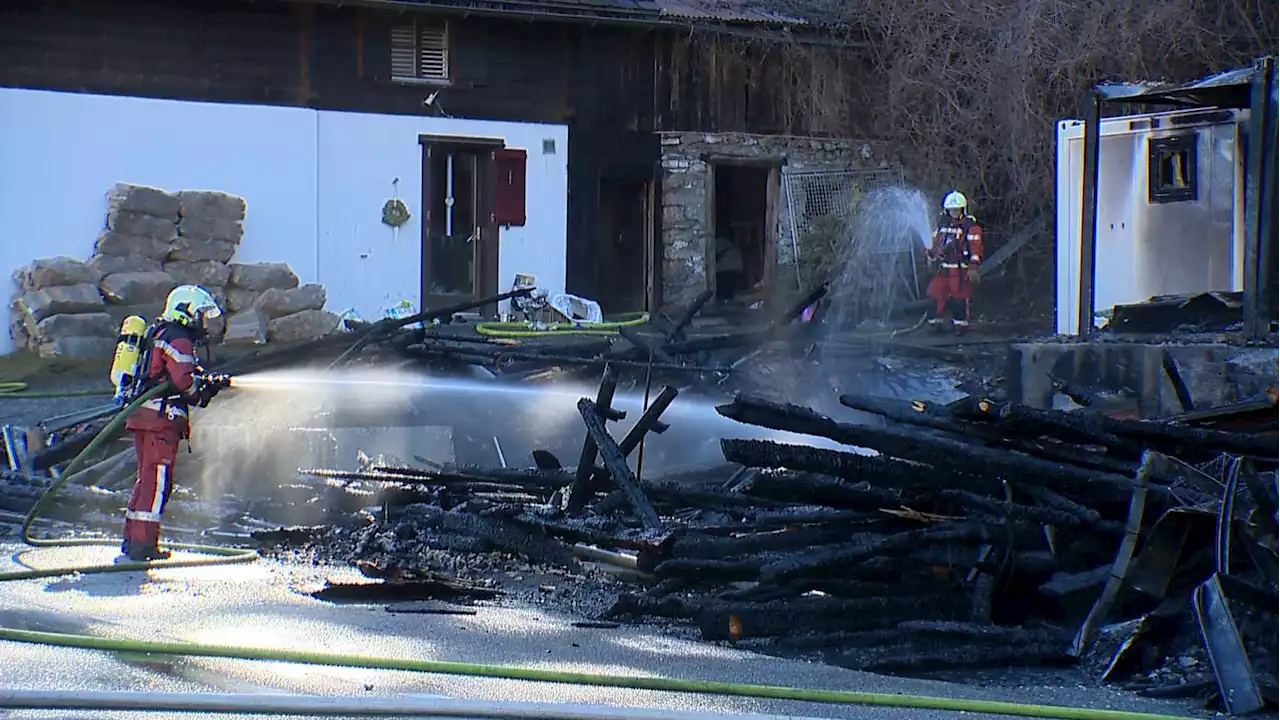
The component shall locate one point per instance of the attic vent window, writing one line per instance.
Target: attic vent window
(420, 51)
(1171, 169)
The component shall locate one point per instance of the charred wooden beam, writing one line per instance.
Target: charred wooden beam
(388, 327)
(1021, 513)
(821, 490)
(616, 463)
(733, 621)
(878, 470)
(676, 332)
(937, 417)
(831, 557)
(910, 656)
(581, 490)
(1131, 437)
(936, 451)
(501, 533)
(692, 544)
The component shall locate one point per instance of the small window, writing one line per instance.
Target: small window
(420, 51)
(1171, 169)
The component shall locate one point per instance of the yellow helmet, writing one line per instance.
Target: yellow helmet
(190, 305)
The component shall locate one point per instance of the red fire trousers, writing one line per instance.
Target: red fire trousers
(157, 452)
(951, 289)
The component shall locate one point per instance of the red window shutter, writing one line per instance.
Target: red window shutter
(509, 193)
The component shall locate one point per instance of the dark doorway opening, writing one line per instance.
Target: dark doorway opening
(623, 244)
(459, 235)
(744, 230)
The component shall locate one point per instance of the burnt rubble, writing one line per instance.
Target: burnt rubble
(923, 537)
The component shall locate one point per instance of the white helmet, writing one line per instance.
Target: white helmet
(190, 305)
(955, 201)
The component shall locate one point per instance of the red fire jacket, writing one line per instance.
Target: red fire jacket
(173, 358)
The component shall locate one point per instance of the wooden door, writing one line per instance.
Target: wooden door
(459, 234)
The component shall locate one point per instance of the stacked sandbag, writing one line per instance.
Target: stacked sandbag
(210, 228)
(58, 312)
(155, 240)
(267, 303)
(142, 224)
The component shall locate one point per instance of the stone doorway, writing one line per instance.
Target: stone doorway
(743, 228)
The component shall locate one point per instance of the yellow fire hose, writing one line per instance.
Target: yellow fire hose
(221, 556)
(524, 330)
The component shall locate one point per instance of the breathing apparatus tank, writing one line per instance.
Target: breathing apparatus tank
(126, 366)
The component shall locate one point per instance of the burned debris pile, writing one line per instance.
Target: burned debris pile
(909, 537)
(925, 537)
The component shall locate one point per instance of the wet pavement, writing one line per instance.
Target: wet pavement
(264, 604)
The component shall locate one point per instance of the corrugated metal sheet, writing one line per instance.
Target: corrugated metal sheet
(756, 12)
(637, 9)
(1226, 87)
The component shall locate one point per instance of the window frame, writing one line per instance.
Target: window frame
(1158, 149)
(419, 28)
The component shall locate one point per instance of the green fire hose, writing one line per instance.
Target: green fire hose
(222, 556)
(18, 390)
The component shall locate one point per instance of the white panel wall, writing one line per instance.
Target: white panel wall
(314, 183)
(369, 266)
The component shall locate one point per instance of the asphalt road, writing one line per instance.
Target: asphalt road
(264, 604)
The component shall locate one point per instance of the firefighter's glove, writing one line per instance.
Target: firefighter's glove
(975, 276)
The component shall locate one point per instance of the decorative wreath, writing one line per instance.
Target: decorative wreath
(394, 213)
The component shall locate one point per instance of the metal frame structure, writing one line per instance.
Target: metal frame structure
(1253, 88)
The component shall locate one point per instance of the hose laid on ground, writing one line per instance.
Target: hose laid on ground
(222, 556)
(15, 389)
(521, 329)
(505, 672)
(362, 706)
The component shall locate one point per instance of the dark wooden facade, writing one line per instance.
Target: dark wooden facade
(613, 84)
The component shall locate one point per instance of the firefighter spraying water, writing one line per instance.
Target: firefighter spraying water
(956, 252)
(147, 356)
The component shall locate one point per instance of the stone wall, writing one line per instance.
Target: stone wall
(687, 217)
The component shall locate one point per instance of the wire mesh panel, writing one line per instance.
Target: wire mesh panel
(812, 196)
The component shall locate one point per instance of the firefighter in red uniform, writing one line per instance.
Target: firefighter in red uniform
(957, 252)
(161, 422)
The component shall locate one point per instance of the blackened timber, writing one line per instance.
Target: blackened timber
(616, 463)
(644, 343)
(937, 417)
(879, 470)
(581, 489)
(778, 618)
(831, 557)
(709, 569)
(676, 332)
(697, 545)
(387, 327)
(1133, 436)
(821, 490)
(936, 451)
(910, 656)
(1016, 511)
(649, 420)
(503, 534)
(1051, 499)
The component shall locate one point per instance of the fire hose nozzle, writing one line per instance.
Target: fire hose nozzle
(218, 380)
